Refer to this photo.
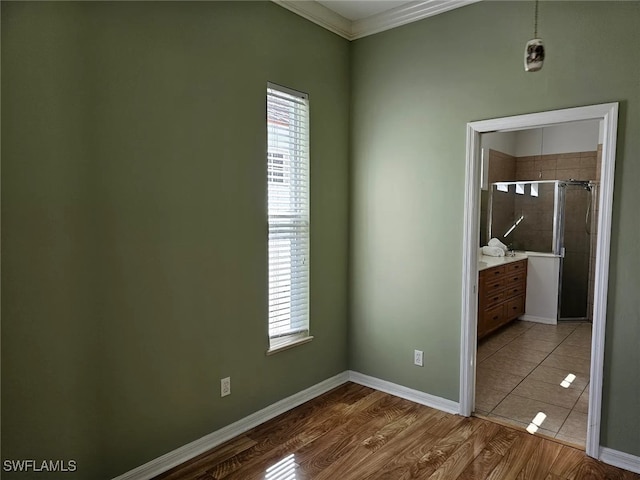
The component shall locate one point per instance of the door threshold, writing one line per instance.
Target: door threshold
(520, 428)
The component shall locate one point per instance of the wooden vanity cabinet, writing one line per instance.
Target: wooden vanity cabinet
(501, 295)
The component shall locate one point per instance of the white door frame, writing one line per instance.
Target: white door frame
(608, 113)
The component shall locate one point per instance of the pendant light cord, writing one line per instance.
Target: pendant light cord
(535, 22)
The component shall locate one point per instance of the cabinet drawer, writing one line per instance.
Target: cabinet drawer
(514, 307)
(515, 278)
(493, 299)
(493, 272)
(515, 290)
(493, 317)
(516, 266)
(492, 285)
(501, 295)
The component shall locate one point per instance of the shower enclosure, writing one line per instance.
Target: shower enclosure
(553, 217)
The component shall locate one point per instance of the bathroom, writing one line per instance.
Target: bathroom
(539, 199)
(558, 234)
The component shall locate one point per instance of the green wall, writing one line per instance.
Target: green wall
(414, 89)
(133, 208)
(134, 257)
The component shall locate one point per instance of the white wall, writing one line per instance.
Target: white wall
(504, 142)
(566, 138)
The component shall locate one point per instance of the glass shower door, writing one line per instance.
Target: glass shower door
(574, 278)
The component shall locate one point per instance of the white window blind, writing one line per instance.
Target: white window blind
(288, 211)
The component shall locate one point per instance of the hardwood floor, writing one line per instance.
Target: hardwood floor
(357, 433)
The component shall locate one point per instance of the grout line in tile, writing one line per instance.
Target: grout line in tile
(509, 342)
(565, 421)
(527, 376)
(580, 396)
(511, 391)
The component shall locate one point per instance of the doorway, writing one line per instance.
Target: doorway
(607, 113)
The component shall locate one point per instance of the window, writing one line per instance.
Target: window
(288, 211)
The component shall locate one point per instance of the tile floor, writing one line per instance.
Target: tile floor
(520, 369)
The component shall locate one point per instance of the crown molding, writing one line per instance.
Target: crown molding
(407, 13)
(320, 15)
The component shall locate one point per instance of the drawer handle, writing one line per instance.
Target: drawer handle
(515, 279)
(495, 318)
(497, 273)
(495, 285)
(495, 298)
(514, 308)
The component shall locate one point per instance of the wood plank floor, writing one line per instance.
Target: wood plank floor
(357, 433)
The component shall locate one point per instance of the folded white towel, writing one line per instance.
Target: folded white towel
(494, 242)
(493, 251)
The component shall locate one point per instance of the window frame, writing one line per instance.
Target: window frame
(288, 169)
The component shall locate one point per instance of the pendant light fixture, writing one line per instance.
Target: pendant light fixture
(534, 50)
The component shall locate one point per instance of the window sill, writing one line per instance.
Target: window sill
(287, 344)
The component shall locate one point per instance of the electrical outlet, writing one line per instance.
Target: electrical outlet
(225, 386)
(418, 356)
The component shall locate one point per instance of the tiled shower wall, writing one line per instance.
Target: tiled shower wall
(563, 166)
(502, 168)
(577, 166)
(580, 247)
(535, 233)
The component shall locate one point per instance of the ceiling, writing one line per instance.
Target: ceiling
(359, 9)
(353, 19)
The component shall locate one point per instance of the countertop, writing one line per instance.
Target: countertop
(485, 261)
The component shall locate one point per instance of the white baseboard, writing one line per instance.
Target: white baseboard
(416, 396)
(620, 459)
(195, 448)
(180, 455)
(545, 320)
(187, 452)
